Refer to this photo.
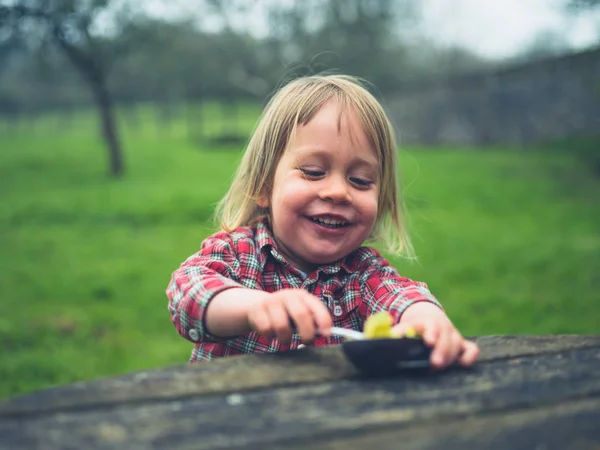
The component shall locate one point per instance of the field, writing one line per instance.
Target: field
(507, 239)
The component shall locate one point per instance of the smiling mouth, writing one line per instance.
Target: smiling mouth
(330, 223)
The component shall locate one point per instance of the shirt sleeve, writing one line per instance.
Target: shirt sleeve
(384, 289)
(197, 281)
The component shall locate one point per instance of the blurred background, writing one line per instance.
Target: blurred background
(122, 122)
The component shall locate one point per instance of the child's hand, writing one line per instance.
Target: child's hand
(276, 313)
(439, 333)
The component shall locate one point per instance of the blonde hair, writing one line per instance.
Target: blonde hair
(296, 104)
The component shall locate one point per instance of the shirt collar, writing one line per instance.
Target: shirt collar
(266, 245)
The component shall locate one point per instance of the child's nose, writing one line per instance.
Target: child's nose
(336, 190)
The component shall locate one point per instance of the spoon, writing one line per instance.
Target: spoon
(347, 333)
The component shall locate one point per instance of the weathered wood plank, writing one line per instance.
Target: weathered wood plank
(514, 346)
(317, 413)
(251, 372)
(571, 425)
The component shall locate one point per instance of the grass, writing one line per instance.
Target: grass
(508, 241)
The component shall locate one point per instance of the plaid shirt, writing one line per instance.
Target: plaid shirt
(353, 288)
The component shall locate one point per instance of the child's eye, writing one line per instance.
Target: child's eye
(362, 182)
(312, 173)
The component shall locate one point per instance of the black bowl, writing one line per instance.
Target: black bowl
(388, 356)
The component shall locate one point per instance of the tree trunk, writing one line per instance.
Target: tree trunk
(108, 128)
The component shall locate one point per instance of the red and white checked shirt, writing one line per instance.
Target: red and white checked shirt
(353, 288)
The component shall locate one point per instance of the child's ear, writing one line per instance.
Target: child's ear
(262, 201)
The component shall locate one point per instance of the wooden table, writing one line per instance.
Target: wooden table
(527, 392)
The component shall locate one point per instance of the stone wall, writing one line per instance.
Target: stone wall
(515, 105)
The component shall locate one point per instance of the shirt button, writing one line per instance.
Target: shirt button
(337, 311)
(194, 335)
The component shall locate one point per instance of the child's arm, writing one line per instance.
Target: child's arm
(208, 273)
(411, 304)
(237, 311)
(227, 315)
(384, 289)
(208, 301)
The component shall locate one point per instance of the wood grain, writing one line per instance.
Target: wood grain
(251, 372)
(516, 397)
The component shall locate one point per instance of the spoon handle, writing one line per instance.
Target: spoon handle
(347, 333)
(339, 331)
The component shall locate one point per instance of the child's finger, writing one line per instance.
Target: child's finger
(442, 349)
(456, 347)
(302, 319)
(430, 334)
(280, 322)
(470, 353)
(320, 314)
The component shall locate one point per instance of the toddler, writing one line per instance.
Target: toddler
(318, 180)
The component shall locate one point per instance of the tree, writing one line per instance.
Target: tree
(584, 3)
(70, 25)
(353, 36)
(546, 44)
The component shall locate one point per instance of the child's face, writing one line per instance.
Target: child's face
(324, 199)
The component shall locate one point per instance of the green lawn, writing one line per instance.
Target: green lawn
(509, 241)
